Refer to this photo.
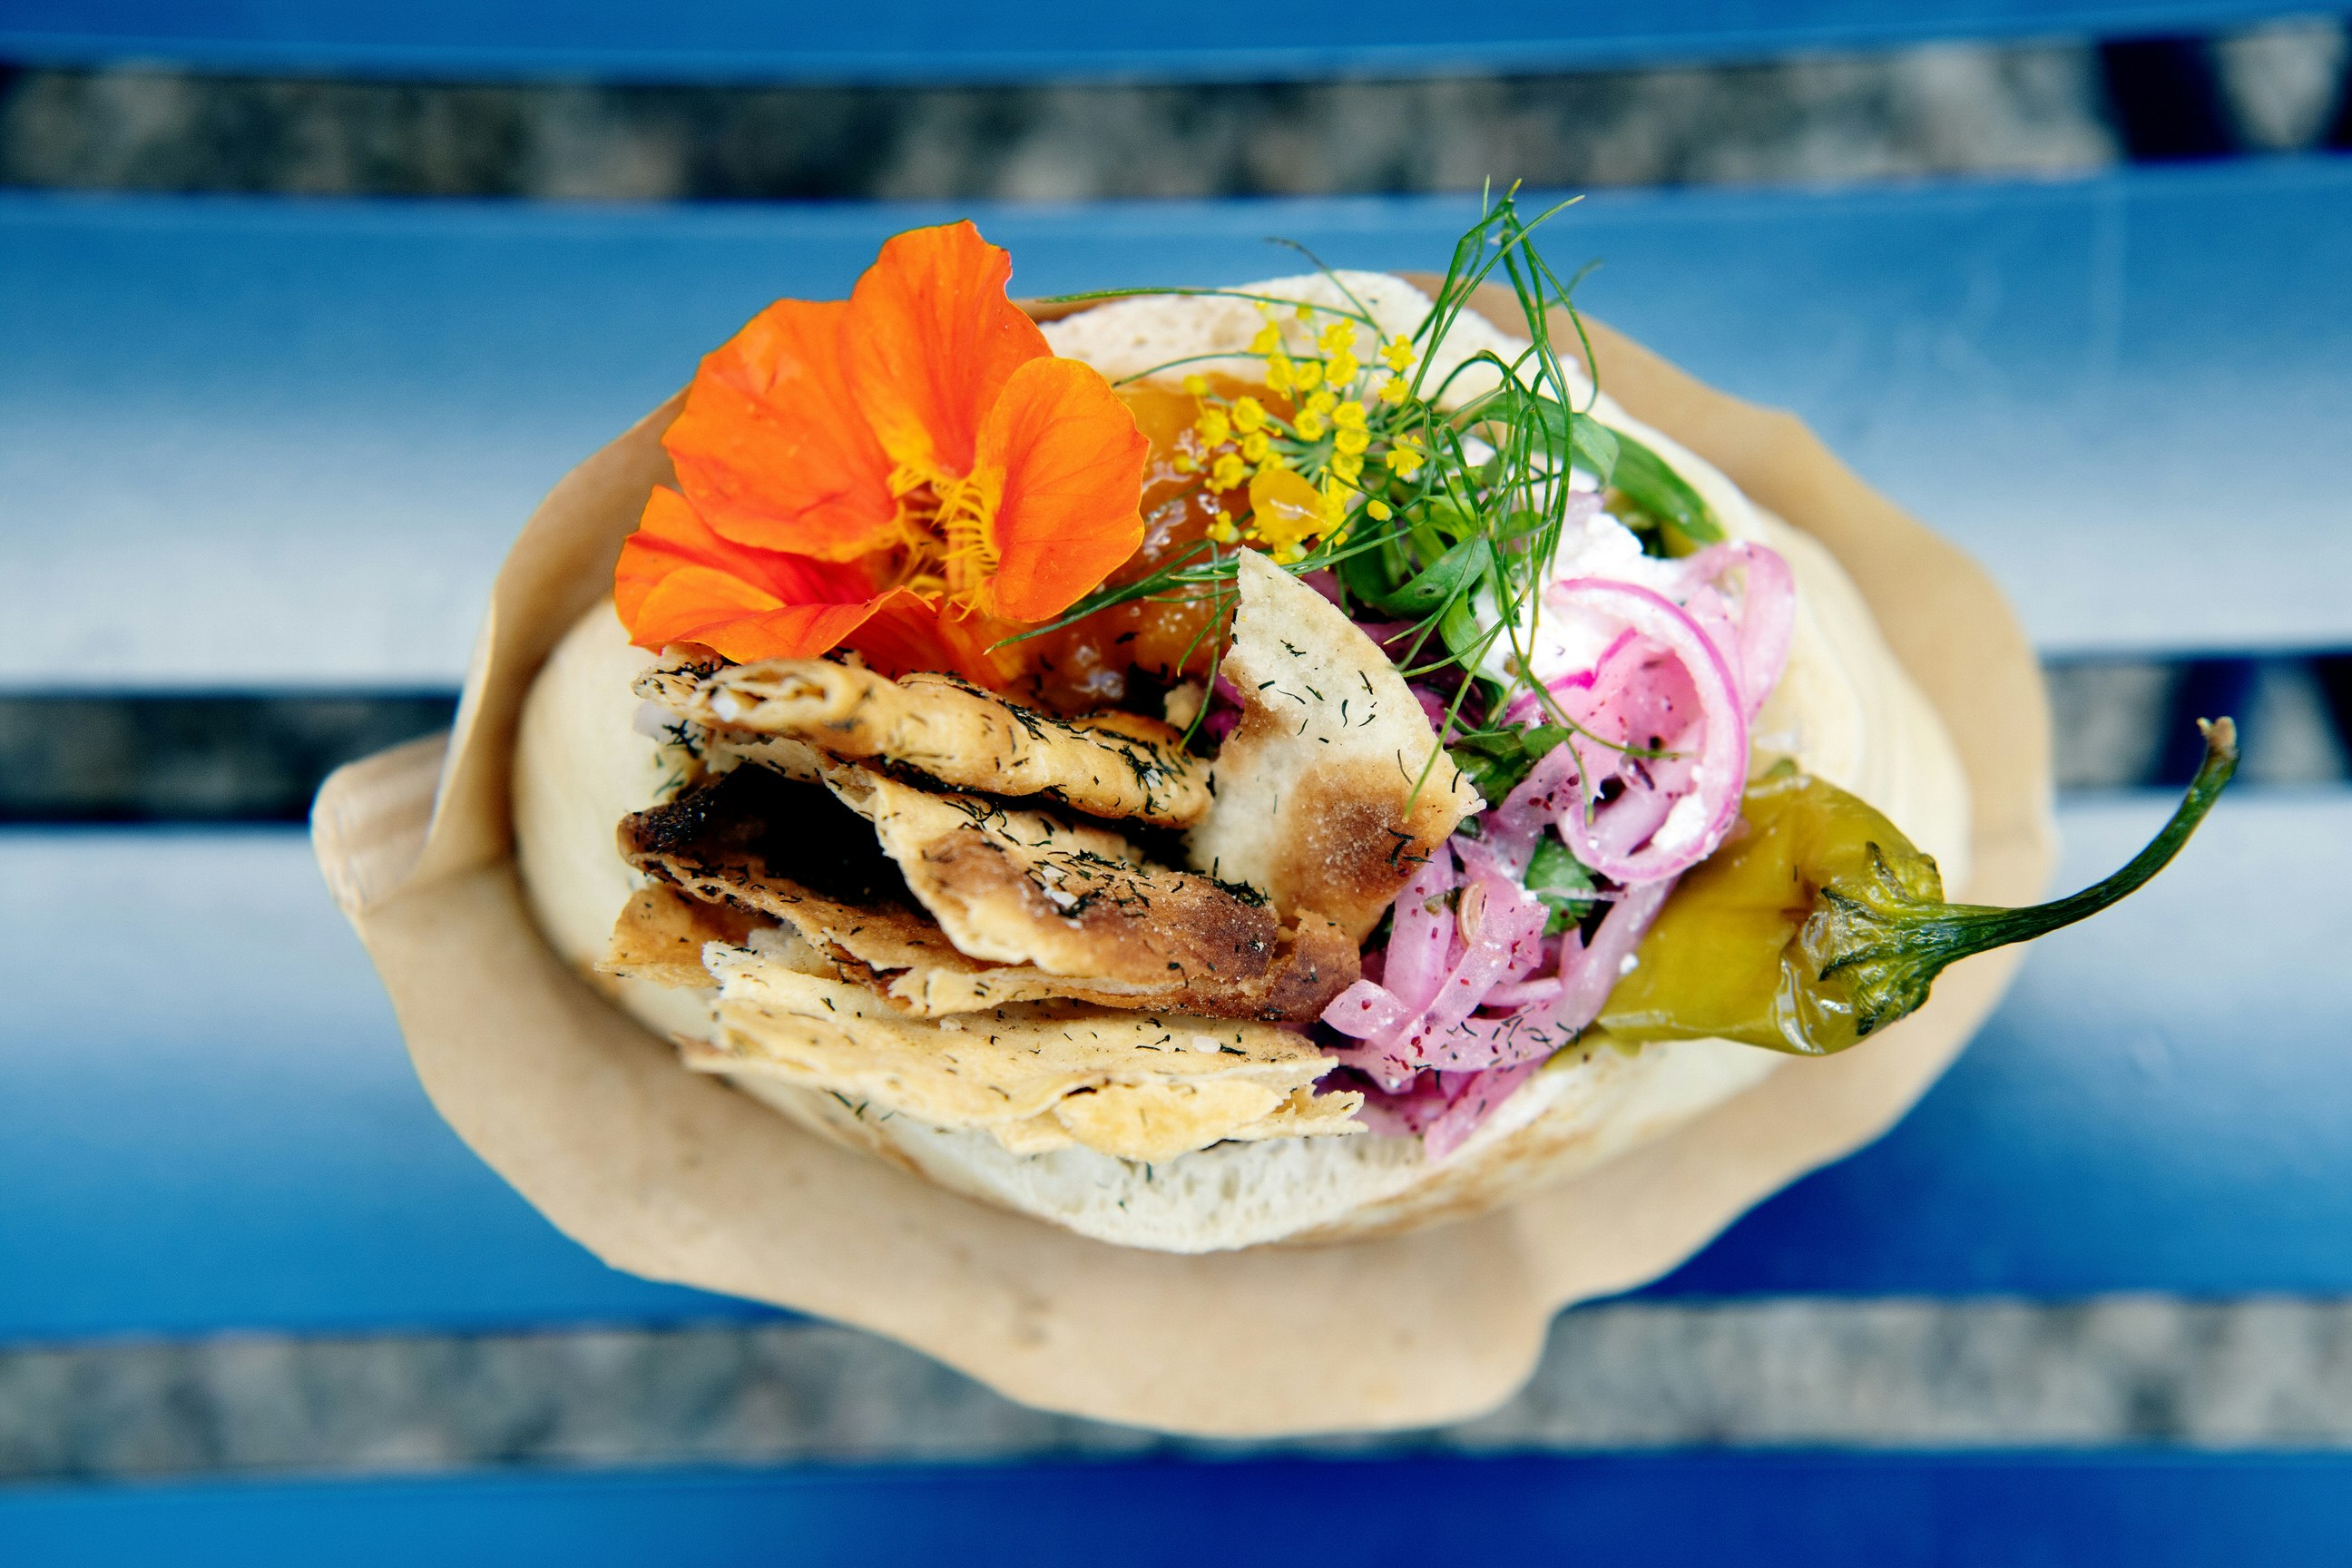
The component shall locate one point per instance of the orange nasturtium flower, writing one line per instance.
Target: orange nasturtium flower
(909, 473)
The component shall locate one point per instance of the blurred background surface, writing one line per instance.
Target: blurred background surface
(2025, 108)
(2033, 107)
(1640, 1373)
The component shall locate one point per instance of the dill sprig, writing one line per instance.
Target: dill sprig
(1437, 500)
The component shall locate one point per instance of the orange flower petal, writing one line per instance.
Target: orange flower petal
(932, 341)
(679, 581)
(797, 631)
(771, 447)
(909, 634)
(669, 538)
(1071, 466)
(977, 649)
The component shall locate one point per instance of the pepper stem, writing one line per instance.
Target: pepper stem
(1887, 943)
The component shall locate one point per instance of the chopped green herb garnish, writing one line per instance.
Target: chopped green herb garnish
(1561, 880)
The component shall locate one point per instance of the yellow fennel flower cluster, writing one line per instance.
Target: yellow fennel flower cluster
(1304, 476)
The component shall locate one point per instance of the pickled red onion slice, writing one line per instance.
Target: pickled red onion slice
(1398, 1041)
(1586, 976)
(1496, 937)
(1468, 1070)
(1367, 1010)
(1551, 787)
(1476, 1100)
(1420, 936)
(1647, 786)
(1665, 723)
(1765, 621)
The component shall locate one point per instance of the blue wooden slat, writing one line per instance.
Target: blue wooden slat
(2164, 1102)
(255, 443)
(922, 40)
(1999, 1511)
(210, 1123)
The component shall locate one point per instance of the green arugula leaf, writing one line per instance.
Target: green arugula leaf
(1591, 446)
(1465, 640)
(1452, 573)
(1366, 576)
(1640, 477)
(1556, 877)
(1652, 489)
(1499, 762)
(1595, 446)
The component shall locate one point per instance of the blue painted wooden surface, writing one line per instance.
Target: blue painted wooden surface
(924, 40)
(258, 443)
(210, 1122)
(2163, 1103)
(1998, 1511)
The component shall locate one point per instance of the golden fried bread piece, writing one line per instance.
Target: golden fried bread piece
(662, 932)
(1140, 1085)
(759, 842)
(1332, 789)
(1118, 765)
(1024, 887)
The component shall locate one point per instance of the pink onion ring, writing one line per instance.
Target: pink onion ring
(1421, 935)
(1586, 975)
(1476, 1100)
(1766, 618)
(1499, 927)
(1636, 704)
(1528, 708)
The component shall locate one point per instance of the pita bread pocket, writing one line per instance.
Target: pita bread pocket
(674, 1174)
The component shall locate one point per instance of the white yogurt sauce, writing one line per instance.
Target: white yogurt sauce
(1570, 642)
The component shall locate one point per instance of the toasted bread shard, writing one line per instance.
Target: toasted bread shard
(662, 932)
(1332, 788)
(675, 675)
(1116, 766)
(1131, 1118)
(667, 690)
(1023, 886)
(1145, 1086)
(760, 843)
(1027, 887)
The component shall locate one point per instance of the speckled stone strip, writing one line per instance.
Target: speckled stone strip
(2122, 1370)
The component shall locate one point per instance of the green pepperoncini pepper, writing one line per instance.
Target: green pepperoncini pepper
(1821, 923)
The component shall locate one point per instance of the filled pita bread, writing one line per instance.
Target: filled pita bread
(847, 996)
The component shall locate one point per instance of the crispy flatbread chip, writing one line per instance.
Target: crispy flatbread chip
(794, 852)
(725, 749)
(790, 851)
(1022, 887)
(1119, 765)
(670, 686)
(675, 675)
(763, 841)
(1326, 796)
(1125, 1117)
(662, 932)
(1149, 1086)
(1306, 1114)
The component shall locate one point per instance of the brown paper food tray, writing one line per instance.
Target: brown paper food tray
(674, 1175)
